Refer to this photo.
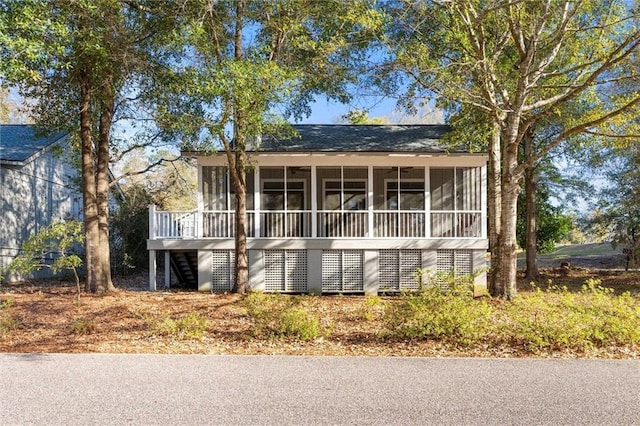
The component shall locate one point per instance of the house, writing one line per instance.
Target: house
(37, 186)
(338, 209)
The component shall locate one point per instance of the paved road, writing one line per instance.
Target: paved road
(172, 389)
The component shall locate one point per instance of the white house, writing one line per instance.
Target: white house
(338, 209)
(37, 186)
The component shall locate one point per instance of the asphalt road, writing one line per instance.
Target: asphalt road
(196, 389)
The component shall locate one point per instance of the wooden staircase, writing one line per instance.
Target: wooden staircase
(185, 268)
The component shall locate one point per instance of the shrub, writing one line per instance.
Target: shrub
(557, 319)
(191, 326)
(283, 317)
(450, 315)
(7, 322)
(370, 308)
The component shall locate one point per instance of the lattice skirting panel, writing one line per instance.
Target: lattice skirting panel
(397, 269)
(222, 270)
(456, 262)
(285, 271)
(342, 271)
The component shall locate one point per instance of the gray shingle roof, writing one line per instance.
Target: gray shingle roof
(361, 138)
(18, 142)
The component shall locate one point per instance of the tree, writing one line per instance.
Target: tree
(518, 62)
(361, 116)
(618, 208)
(243, 66)
(75, 59)
(58, 239)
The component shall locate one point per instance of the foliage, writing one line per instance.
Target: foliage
(517, 63)
(557, 319)
(618, 212)
(191, 326)
(81, 327)
(371, 308)
(283, 317)
(452, 316)
(58, 240)
(361, 116)
(7, 322)
(553, 225)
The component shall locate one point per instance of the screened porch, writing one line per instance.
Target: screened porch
(335, 202)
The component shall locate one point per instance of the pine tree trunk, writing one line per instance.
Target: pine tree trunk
(494, 201)
(531, 244)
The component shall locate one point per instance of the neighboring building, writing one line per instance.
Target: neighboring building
(37, 186)
(339, 209)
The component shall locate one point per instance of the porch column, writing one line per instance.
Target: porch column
(256, 202)
(152, 270)
(200, 206)
(152, 222)
(370, 200)
(483, 201)
(167, 268)
(314, 202)
(427, 202)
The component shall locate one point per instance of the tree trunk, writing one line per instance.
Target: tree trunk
(532, 272)
(88, 183)
(506, 281)
(494, 201)
(241, 282)
(103, 283)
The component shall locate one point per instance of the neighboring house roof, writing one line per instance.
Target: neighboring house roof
(362, 138)
(19, 142)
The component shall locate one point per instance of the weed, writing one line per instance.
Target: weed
(192, 326)
(8, 323)
(283, 317)
(81, 327)
(370, 308)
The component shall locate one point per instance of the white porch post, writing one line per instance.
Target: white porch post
(167, 268)
(256, 202)
(152, 222)
(483, 201)
(314, 201)
(199, 205)
(152, 270)
(370, 200)
(427, 202)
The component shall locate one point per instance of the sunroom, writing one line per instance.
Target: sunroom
(340, 209)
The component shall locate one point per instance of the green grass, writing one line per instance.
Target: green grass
(591, 251)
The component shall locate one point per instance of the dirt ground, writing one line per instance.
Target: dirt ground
(46, 317)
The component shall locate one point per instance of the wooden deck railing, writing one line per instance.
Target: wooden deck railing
(329, 224)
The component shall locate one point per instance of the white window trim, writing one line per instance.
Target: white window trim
(341, 209)
(398, 191)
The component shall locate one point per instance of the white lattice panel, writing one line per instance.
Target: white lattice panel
(274, 276)
(342, 271)
(388, 270)
(296, 271)
(463, 262)
(410, 262)
(353, 270)
(222, 270)
(331, 271)
(397, 269)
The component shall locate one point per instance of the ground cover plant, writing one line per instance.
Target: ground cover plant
(564, 315)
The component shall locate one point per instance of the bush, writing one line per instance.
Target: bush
(81, 326)
(191, 326)
(283, 317)
(371, 308)
(559, 320)
(450, 315)
(7, 322)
